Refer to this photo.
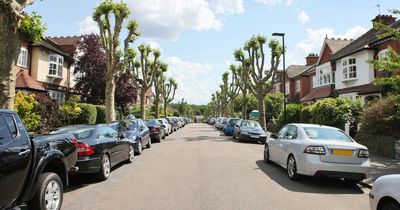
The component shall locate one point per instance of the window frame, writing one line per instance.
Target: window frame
(59, 63)
(17, 133)
(3, 120)
(349, 69)
(296, 132)
(23, 61)
(298, 86)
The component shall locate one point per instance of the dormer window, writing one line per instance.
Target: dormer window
(56, 63)
(349, 69)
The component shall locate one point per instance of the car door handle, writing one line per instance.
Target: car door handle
(23, 153)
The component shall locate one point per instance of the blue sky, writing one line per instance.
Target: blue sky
(198, 37)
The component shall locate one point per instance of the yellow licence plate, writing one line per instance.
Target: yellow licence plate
(342, 152)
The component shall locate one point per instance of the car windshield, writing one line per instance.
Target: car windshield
(251, 124)
(232, 122)
(79, 133)
(127, 126)
(152, 122)
(317, 133)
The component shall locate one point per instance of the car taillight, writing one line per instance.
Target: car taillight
(153, 130)
(363, 153)
(315, 150)
(74, 141)
(84, 150)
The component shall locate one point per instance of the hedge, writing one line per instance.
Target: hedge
(88, 114)
(378, 145)
(101, 114)
(292, 114)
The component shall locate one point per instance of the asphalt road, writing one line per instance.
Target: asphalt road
(199, 168)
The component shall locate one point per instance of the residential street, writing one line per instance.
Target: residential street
(199, 168)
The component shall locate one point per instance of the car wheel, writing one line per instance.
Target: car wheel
(238, 137)
(49, 193)
(131, 155)
(266, 154)
(163, 136)
(149, 144)
(390, 206)
(105, 171)
(140, 148)
(292, 168)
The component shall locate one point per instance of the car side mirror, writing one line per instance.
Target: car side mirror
(273, 136)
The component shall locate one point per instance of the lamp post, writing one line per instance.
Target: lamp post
(284, 75)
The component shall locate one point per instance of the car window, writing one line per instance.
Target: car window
(127, 125)
(291, 133)
(320, 133)
(282, 132)
(111, 133)
(5, 135)
(11, 125)
(250, 124)
(102, 133)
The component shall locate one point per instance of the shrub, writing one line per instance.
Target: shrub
(382, 146)
(305, 114)
(87, 115)
(381, 117)
(273, 106)
(48, 109)
(292, 114)
(70, 110)
(25, 106)
(101, 114)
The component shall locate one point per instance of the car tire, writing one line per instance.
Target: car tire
(131, 155)
(148, 146)
(140, 148)
(49, 186)
(163, 136)
(291, 168)
(390, 206)
(105, 170)
(266, 154)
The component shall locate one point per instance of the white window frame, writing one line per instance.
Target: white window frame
(287, 88)
(57, 62)
(57, 95)
(23, 58)
(349, 69)
(298, 86)
(383, 54)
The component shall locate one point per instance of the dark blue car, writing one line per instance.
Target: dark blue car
(230, 126)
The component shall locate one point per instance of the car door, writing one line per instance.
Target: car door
(15, 158)
(288, 142)
(276, 144)
(121, 148)
(104, 141)
(144, 132)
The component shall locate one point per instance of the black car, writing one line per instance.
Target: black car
(99, 148)
(135, 131)
(250, 130)
(157, 132)
(31, 166)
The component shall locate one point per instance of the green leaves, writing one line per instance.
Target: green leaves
(120, 10)
(32, 26)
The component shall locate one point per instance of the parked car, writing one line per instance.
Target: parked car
(250, 130)
(385, 193)
(315, 150)
(31, 171)
(224, 124)
(99, 148)
(211, 121)
(157, 132)
(228, 130)
(165, 124)
(236, 129)
(136, 131)
(173, 122)
(219, 124)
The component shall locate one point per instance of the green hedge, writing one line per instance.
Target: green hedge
(305, 114)
(101, 114)
(292, 114)
(88, 114)
(382, 146)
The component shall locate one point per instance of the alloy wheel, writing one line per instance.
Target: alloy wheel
(291, 168)
(131, 153)
(106, 166)
(52, 195)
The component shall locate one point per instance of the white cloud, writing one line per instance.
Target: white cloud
(313, 42)
(227, 7)
(168, 18)
(88, 26)
(194, 81)
(303, 17)
(274, 2)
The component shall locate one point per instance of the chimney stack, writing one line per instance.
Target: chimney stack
(384, 19)
(311, 59)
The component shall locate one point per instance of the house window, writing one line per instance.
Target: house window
(57, 95)
(383, 54)
(349, 69)
(297, 86)
(287, 88)
(277, 88)
(56, 65)
(23, 58)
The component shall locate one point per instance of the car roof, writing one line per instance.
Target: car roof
(312, 125)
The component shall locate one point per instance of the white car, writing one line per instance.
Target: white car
(315, 150)
(165, 124)
(385, 193)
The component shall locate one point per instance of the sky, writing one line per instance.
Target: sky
(197, 38)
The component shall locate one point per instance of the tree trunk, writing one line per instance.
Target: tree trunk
(156, 105)
(110, 98)
(261, 109)
(142, 104)
(10, 44)
(165, 109)
(244, 106)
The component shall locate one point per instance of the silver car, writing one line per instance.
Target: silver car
(315, 150)
(385, 194)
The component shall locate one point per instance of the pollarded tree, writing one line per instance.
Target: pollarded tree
(16, 26)
(110, 17)
(143, 70)
(232, 92)
(158, 86)
(242, 77)
(168, 92)
(262, 77)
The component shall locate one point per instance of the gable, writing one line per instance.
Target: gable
(325, 55)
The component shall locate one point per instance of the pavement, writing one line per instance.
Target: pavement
(199, 168)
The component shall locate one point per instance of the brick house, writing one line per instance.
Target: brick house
(322, 78)
(355, 76)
